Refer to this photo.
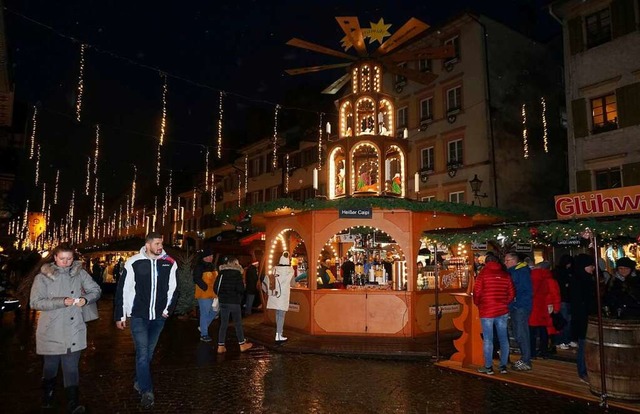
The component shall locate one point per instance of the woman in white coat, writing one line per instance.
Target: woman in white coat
(279, 297)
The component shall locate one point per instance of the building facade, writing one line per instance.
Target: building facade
(602, 71)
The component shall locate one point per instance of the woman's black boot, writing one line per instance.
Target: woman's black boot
(72, 401)
(48, 391)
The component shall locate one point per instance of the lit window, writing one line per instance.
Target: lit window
(604, 113)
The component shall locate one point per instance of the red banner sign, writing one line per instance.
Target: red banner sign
(613, 202)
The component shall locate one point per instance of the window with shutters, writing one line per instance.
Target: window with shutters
(604, 113)
(609, 178)
(598, 28)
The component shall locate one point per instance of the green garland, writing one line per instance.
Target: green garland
(547, 233)
(233, 216)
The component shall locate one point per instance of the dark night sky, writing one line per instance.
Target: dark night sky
(236, 46)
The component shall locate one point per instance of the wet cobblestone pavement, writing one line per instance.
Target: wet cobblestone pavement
(190, 378)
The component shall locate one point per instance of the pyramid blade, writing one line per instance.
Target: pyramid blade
(411, 29)
(351, 27)
(303, 44)
(311, 69)
(441, 52)
(337, 85)
(424, 78)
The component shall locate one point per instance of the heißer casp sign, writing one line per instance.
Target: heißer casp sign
(361, 213)
(613, 202)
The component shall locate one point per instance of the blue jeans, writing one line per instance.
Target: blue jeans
(69, 362)
(580, 361)
(207, 315)
(145, 337)
(520, 325)
(234, 310)
(564, 337)
(500, 322)
(248, 303)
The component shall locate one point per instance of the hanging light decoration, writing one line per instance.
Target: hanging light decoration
(525, 138)
(96, 153)
(72, 206)
(239, 192)
(55, 191)
(133, 188)
(44, 196)
(170, 189)
(320, 142)
(88, 179)
(213, 194)
(193, 205)
(37, 174)
(83, 47)
(95, 206)
(101, 206)
(286, 175)
(163, 124)
(246, 173)
(274, 161)
(34, 125)
(220, 112)
(206, 171)
(545, 136)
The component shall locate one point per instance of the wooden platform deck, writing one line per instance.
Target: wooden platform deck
(549, 375)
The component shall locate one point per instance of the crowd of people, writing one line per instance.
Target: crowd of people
(548, 309)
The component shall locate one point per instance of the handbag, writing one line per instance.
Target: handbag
(215, 305)
(559, 322)
(90, 312)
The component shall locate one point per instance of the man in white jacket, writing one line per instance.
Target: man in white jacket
(279, 297)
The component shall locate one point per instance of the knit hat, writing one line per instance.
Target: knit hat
(206, 252)
(626, 262)
(583, 260)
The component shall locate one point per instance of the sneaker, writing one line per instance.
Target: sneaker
(564, 347)
(147, 400)
(520, 365)
(486, 370)
(573, 344)
(205, 338)
(503, 370)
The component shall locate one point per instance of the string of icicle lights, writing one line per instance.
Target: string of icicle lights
(213, 193)
(55, 191)
(34, 127)
(96, 153)
(274, 161)
(545, 136)
(320, 143)
(220, 112)
(525, 138)
(37, 174)
(88, 178)
(163, 125)
(83, 48)
(206, 171)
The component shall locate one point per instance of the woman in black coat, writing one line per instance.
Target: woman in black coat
(230, 290)
(583, 302)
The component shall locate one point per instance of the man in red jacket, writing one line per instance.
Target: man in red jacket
(492, 293)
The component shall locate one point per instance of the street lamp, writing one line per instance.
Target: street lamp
(476, 184)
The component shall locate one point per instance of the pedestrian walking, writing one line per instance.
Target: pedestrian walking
(583, 299)
(493, 291)
(520, 308)
(204, 276)
(59, 291)
(279, 297)
(230, 291)
(145, 293)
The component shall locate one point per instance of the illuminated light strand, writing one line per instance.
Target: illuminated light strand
(34, 127)
(95, 207)
(213, 193)
(155, 211)
(286, 175)
(133, 188)
(101, 206)
(274, 161)
(83, 47)
(320, 142)
(37, 173)
(246, 174)
(72, 204)
(158, 165)
(55, 191)
(525, 138)
(96, 153)
(88, 179)
(206, 171)
(170, 188)
(239, 190)
(163, 122)
(220, 112)
(25, 221)
(545, 136)
(44, 197)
